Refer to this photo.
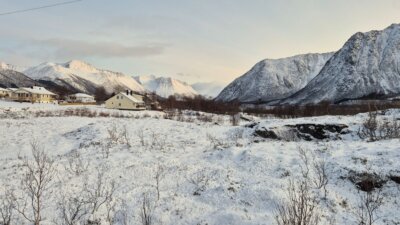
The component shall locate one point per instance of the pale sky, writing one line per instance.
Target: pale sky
(192, 40)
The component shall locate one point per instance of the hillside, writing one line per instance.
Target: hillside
(273, 79)
(368, 66)
(83, 77)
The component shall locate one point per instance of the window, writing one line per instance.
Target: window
(119, 104)
(117, 97)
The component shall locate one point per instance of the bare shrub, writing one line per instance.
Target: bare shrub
(76, 164)
(72, 210)
(300, 207)
(106, 150)
(158, 141)
(369, 127)
(98, 194)
(159, 176)
(368, 206)
(306, 161)
(36, 184)
(140, 135)
(321, 178)
(375, 129)
(7, 207)
(126, 136)
(146, 212)
(215, 142)
(113, 134)
(201, 180)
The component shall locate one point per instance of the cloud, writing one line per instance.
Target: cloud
(68, 48)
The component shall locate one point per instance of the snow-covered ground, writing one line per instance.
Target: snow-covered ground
(212, 174)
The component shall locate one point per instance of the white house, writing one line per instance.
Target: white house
(3, 92)
(81, 98)
(126, 101)
(33, 94)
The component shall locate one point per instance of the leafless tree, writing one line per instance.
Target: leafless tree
(146, 212)
(113, 134)
(159, 175)
(306, 161)
(7, 206)
(369, 127)
(125, 135)
(300, 207)
(72, 210)
(368, 206)
(76, 165)
(36, 184)
(99, 193)
(321, 179)
(201, 180)
(140, 135)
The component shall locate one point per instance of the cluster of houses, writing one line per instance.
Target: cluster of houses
(127, 100)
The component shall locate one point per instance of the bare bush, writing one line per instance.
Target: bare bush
(36, 184)
(157, 141)
(98, 194)
(140, 135)
(300, 207)
(126, 136)
(375, 129)
(76, 165)
(146, 212)
(368, 206)
(216, 143)
(72, 210)
(7, 206)
(113, 134)
(306, 161)
(321, 178)
(159, 176)
(201, 180)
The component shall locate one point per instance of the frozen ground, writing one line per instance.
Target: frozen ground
(213, 174)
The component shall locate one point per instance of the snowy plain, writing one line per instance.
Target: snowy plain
(245, 176)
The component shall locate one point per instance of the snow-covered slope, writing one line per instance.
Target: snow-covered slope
(368, 65)
(166, 86)
(208, 89)
(83, 77)
(273, 79)
(12, 78)
(3, 66)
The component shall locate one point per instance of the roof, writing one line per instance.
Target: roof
(2, 89)
(132, 98)
(82, 95)
(37, 90)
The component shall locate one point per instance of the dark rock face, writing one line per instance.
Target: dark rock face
(366, 181)
(318, 131)
(308, 132)
(395, 179)
(264, 133)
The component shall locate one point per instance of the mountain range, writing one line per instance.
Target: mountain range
(273, 79)
(366, 67)
(82, 77)
(166, 86)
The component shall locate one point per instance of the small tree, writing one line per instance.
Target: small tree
(368, 207)
(146, 212)
(101, 95)
(7, 208)
(300, 207)
(36, 183)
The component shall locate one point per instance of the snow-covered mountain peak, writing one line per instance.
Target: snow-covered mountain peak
(166, 86)
(83, 77)
(273, 79)
(3, 66)
(80, 66)
(367, 66)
